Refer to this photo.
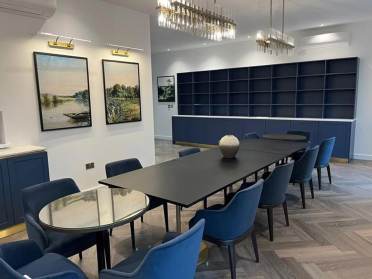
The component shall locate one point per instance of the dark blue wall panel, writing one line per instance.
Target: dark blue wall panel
(277, 126)
(6, 216)
(342, 132)
(307, 126)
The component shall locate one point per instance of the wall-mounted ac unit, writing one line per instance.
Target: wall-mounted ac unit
(31, 8)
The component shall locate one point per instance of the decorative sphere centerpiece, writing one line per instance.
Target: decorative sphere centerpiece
(229, 146)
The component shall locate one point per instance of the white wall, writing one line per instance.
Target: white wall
(242, 54)
(69, 150)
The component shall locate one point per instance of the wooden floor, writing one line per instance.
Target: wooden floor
(332, 238)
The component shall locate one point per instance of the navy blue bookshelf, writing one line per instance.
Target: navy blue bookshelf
(315, 89)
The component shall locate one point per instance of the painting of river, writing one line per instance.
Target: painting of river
(122, 91)
(63, 91)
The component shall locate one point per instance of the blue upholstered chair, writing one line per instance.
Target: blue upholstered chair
(227, 225)
(324, 156)
(189, 151)
(251, 136)
(128, 165)
(274, 193)
(175, 258)
(26, 258)
(34, 199)
(303, 170)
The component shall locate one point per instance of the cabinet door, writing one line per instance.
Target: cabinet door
(6, 216)
(25, 171)
(342, 132)
(277, 126)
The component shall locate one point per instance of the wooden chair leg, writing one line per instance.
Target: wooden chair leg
(329, 174)
(254, 244)
(302, 187)
(232, 259)
(270, 221)
(80, 255)
(311, 188)
(319, 171)
(133, 236)
(165, 208)
(285, 209)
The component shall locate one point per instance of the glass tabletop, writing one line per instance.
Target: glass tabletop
(94, 210)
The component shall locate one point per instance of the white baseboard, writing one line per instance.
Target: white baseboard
(162, 137)
(365, 157)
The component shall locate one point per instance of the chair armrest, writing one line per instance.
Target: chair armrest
(113, 274)
(36, 232)
(63, 275)
(20, 253)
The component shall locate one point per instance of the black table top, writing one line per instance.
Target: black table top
(284, 137)
(190, 179)
(95, 210)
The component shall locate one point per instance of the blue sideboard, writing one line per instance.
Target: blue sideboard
(209, 129)
(19, 168)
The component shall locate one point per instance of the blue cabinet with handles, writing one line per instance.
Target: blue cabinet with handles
(208, 130)
(16, 173)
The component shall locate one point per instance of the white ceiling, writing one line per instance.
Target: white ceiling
(252, 15)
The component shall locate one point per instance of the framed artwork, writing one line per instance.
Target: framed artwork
(166, 89)
(63, 91)
(121, 83)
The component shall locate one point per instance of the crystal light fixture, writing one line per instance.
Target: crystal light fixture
(186, 16)
(272, 40)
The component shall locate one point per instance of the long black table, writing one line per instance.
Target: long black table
(188, 180)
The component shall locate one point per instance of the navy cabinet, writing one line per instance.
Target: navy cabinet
(17, 173)
(208, 130)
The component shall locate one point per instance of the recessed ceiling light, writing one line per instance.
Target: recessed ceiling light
(322, 25)
(249, 36)
(168, 49)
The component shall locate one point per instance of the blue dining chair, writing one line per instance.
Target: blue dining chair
(189, 151)
(227, 225)
(25, 257)
(303, 170)
(324, 157)
(34, 199)
(128, 165)
(175, 258)
(274, 193)
(251, 136)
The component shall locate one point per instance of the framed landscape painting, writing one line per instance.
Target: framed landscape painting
(122, 91)
(63, 91)
(166, 89)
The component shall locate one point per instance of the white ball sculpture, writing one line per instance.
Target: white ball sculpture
(229, 146)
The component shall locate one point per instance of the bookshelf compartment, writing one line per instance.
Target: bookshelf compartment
(184, 77)
(285, 70)
(260, 98)
(220, 110)
(201, 87)
(283, 111)
(219, 87)
(310, 97)
(311, 68)
(185, 110)
(260, 72)
(185, 99)
(345, 97)
(346, 65)
(219, 99)
(339, 111)
(201, 76)
(341, 81)
(284, 98)
(309, 111)
(260, 110)
(238, 98)
(219, 75)
(201, 99)
(238, 74)
(239, 110)
(201, 110)
(311, 83)
(284, 84)
(239, 86)
(260, 85)
(185, 89)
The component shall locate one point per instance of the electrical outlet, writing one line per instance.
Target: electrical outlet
(89, 166)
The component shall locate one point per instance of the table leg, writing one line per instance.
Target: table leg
(107, 247)
(100, 251)
(178, 219)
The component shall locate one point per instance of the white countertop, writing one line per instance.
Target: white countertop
(270, 118)
(19, 150)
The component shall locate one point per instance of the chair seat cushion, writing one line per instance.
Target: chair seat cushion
(130, 264)
(49, 264)
(69, 244)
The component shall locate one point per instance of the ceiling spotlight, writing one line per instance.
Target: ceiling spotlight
(168, 49)
(322, 25)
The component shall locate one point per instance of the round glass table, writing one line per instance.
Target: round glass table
(97, 211)
(285, 137)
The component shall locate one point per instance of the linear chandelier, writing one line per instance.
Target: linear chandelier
(272, 40)
(186, 16)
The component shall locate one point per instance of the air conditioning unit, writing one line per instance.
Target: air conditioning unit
(31, 8)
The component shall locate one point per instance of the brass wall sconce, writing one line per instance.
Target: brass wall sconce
(64, 45)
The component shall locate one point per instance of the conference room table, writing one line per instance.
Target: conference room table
(188, 180)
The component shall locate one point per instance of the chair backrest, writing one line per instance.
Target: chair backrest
(189, 151)
(276, 185)
(303, 168)
(123, 166)
(176, 258)
(7, 272)
(251, 136)
(37, 196)
(307, 135)
(325, 152)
